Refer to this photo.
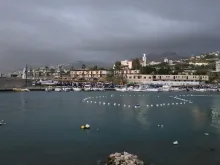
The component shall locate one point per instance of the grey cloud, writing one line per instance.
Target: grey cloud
(52, 31)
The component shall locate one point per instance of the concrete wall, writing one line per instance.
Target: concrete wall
(6, 83)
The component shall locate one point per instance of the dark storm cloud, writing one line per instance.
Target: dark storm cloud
(53, 31)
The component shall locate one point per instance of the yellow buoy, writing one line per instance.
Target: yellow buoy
(82, 126)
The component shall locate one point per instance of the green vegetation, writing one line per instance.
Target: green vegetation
(136, 64)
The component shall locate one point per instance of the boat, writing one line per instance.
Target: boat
(2, 122)
(21, 90)
(57, 89)
(77, 89)
(124, 89)
(94, 89)
(199, 89)
(48, 82)
(66, 89)
(49, 89)
(151, 89)
(101, 89)
(165, 88)
(87, 88)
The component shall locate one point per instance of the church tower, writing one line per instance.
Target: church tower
(144, 59)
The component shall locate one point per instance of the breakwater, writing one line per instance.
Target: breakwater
(9, 83)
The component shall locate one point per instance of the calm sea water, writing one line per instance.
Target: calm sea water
(44, 128)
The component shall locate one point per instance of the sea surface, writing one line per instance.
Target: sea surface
(44, 128)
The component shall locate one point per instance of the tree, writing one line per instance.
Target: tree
(136, 64)
(117, 65)
(148, 70)
(83, 66)
(95, 67)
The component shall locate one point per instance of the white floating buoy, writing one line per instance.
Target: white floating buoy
(99, 102)
(95, 102)
(172, 103)
(90, 101)
(152, 105)
(87, 126)
(158, 125)
(176, 142)
(168, 104)
(124, 105)
(118, 104)
(181, 103)
(128, 105)
(114, 103)
(157, 105)
(176, 103)
(147, 105)
(161, 105)
(161, 126)
(87, 101)
(108, 103)
(207, 134)
(103, 103)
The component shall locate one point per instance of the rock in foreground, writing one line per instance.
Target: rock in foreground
(124, 158)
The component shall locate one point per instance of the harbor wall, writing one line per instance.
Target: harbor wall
(7, 83)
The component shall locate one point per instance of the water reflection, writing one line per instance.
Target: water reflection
(22, 101)
(142, 116)
(216, 113)
(200, 117)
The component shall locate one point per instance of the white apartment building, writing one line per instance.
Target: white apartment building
(88, 73)
(141, 78)
(198, 63)
(126, 63)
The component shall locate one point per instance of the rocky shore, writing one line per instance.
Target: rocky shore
(124, 158)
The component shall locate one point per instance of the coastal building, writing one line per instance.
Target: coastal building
(198, 63)
(141, 78)
(217, 66)
(88, 73)
(126, 64)
(166, 60)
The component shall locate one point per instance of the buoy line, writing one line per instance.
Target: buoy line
(94, 100)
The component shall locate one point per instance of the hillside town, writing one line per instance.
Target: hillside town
(203, 68)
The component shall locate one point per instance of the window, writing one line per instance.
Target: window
(130, 77)
(139, 77)
(144, 77)
(134, 77)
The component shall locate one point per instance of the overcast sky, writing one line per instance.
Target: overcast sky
(42, 32)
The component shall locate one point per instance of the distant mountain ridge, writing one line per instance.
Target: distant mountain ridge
(161, 56)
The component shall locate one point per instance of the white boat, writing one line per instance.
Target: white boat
(121, 89)
(87, 88)
(95, 89)
(101, 89)
(21, 90)
(77, 89)
(165, 88)
(176, 89)
(151, 89)
(199, 89)
(49, 89)
(48, 82)
(57, 89)
(66, 89)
